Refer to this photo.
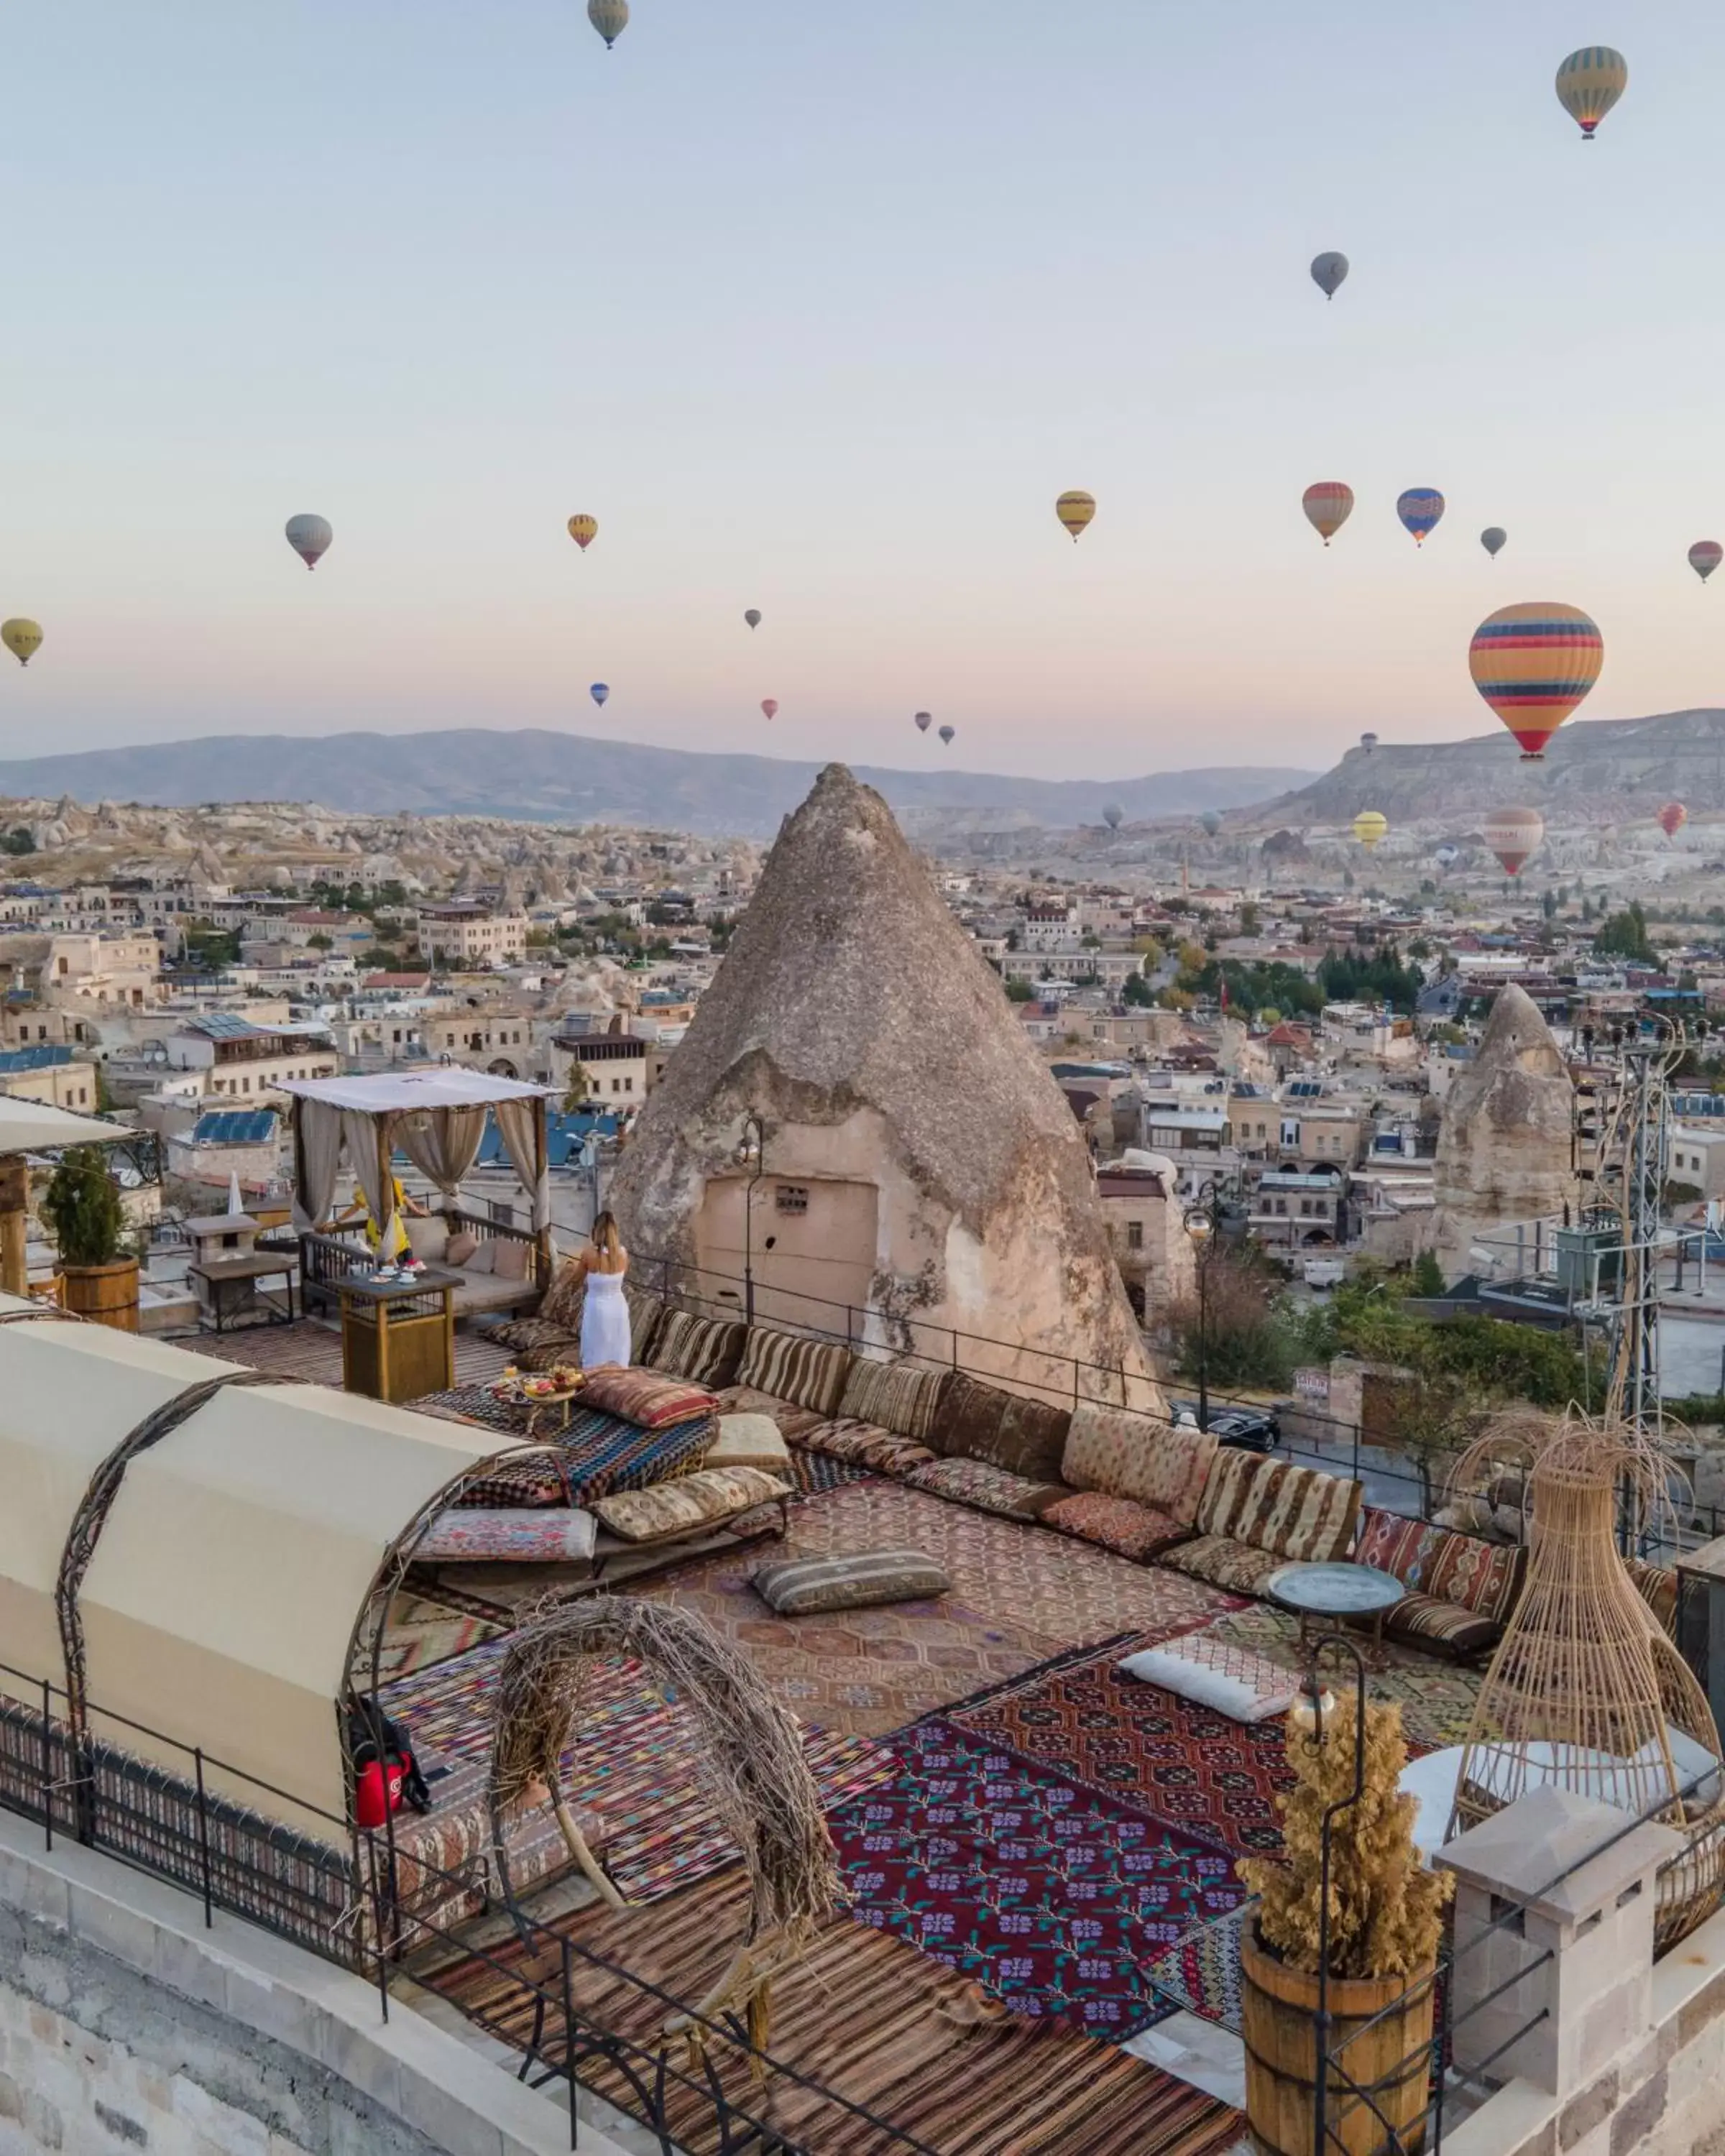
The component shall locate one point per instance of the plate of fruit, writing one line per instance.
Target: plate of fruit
(534, 1387)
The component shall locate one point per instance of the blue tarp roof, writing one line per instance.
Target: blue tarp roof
(42, 1057)
(236, 1126)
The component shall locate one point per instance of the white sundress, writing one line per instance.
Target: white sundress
(604, 1321)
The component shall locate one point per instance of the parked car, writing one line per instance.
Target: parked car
(1247, 1430)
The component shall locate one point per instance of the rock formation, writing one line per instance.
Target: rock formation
(922, 1174)
(1505, 1151)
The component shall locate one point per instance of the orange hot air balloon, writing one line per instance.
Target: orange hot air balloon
(769, 705)
(583, 531)
(1671, 818)
(1533, 662)
(1075, 510)
(1328, 505)
(1514, 835)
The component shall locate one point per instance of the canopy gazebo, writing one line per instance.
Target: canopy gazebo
(28, 1126)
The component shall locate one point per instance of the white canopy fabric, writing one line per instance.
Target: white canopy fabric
(32, 1126)
(393, 1093)
(223, 1593)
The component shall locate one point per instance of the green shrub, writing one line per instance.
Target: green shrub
(82, 1206)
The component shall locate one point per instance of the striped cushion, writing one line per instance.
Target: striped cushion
(895, 1395)
(1295, 1512)
(1422, 1617)
(1443, 1566)
(1657, 1586)
(801, 1586)
(703, 1499)
(986, 1489)
(809, 1373)
(706, 1350)
(795, 1423)
(1237, 1568)
(866, 1445)
(644, 1397)
(644, 1312)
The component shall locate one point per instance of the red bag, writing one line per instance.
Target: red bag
(373, 1797)
(385, 1777)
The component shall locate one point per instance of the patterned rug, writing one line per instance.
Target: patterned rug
(860, 2015)
(421, 1632)
(634, 1760)
(1436, 1697)
(1050, 1896)
(1200, 1973)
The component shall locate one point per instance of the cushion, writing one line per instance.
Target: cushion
(866, 1445)
(748, 1440)
(801, 1586)
(553, 1534)
(1131, 1456)
(1443, 1565)
(644, 1312)
(428, 1238)
(564, 1297)
(706, 1350)
(1216, 1674)
(480, 1259)
(1657, 1586)
(460, 1247)
(1423, 1618)
(894, 1396)
(985, 1489)
(809, 1373)
(513, 1260)
(795, 1423)
(1029, 1440)
(537, 1344)
(971, 1413)
(644, 1397)
(1237, 1568)
(1299, 1513)
(700, 1500)
(1120, 1524)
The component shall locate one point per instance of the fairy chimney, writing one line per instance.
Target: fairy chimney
(921, 1175)
(1505, 1152)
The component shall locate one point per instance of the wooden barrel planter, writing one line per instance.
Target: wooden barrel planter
(107, 1294)
(1392, 2059)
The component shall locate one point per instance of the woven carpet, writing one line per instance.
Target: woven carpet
(1436, 1697)
(863, 2016)
(1200, 1973)
(634, 1760)
(421, 1632)
(1052, 1897)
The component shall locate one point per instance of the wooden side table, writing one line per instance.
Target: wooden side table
(399, 1336)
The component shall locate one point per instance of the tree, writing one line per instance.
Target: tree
(1137, 991)
(319, 941)
(1624, 936)
(17, 840)
(577, 1090)
(1428, 1275)
(1249, 918)
(1019, 992)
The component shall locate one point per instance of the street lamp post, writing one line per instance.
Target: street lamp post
(751, 1152)
(1203, 1224)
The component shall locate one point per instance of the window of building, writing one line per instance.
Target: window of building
(1135, 1234)
(790, 1198)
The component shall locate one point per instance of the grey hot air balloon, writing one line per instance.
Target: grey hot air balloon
(752, 615)
(1211, 822)
(1113, 816)
(309, 537)
(1328, 272)
(1492, 537)
(609, 17)
(924, 719)
(946, 734)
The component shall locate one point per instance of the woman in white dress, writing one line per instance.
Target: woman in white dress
(604, 1314)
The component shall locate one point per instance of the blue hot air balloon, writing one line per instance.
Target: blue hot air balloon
(1420, 509)
(599, 692)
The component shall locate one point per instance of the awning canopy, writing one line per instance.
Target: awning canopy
(392, 1093)
(32, 1126)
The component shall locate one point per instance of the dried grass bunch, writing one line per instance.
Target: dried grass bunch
(1386, 1910)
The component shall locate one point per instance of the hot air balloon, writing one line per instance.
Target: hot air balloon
(1672, 818)
(599, 692)
(1705, 557)
(752, 615)
(1074, 508)
(946, 734)
(1533, 662)
(1113, 816)
(924, 719)
(769, 705)
(1328, 505)
(21, 637)
(609, 17)
(1492, 538)
(583, 531)
(1420, 509)
(1328, 271)
(309, 537)
(1369, 826)
(1368, 742)
(1514, 834)
(1212, 822)
(1590, 83)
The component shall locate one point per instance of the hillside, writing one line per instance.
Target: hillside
(569, 778)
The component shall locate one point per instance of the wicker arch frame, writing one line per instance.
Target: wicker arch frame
(751, 1747)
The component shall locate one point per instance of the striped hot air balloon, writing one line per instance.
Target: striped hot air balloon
(583, 531)
(1328, 505)
(1514, 835)
(1590, 83)
(1705, 557)
(1533, 662)
(1672, 818)
(609, 17)
(1075, 510)
(1370, 826)
(1420, 509)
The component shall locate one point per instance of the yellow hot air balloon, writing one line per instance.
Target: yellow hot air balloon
(21, 637)
(1075, 510)
(1590, 83)
(609, 17)
(583, 531)
(1369, 826)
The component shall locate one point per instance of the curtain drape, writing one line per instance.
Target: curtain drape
(317, 1149)
(520, 1124)
(443, 1143)
(369, 1141)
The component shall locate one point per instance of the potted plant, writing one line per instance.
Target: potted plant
(1385, 1917)
(83, 1207)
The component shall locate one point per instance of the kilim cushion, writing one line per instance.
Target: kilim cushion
(706, 1350)
(537, 1344)
(809, 1373)
(749, 1440)
(1215, 1673)
(866, 1445)
(1295, 1512)
(1120, 1524)
(1423, 1618)
(1129, 1455)
(563, 1299)
(801, 1586)
(1480, 1577)
(895, 1395)
(593, 1454)
(644, 1312)
(1657, 1586)
(551, 1535)
(795, 1423)
(1237, 1568)
(1030, 1439)
(968, 1423)
(987, 1489)
(700, 1500)
(645, 1397)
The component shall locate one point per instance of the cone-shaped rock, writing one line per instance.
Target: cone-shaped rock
(1504, 1152)
(921, 1170)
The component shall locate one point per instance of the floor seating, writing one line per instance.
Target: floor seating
(1136, 1487)
(1460, 1589)
(1258, 1513)
(1657, 1586)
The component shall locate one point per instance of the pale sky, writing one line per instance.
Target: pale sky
(817, 307)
